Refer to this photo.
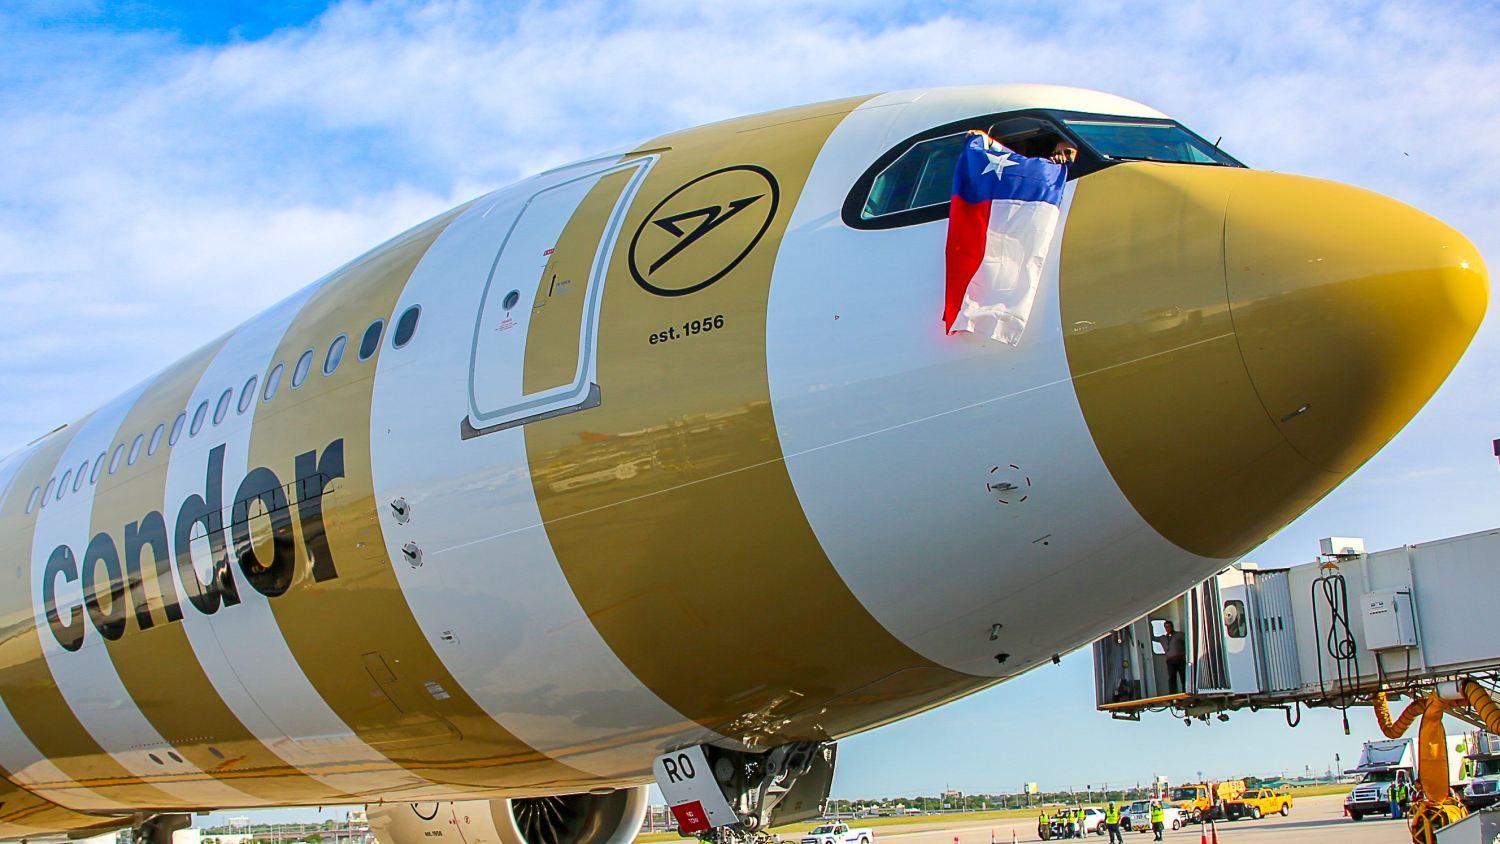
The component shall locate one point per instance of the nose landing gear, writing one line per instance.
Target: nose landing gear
(726, 796)
(157, 829)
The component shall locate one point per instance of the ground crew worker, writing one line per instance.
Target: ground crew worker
(1158, 819)
(1395, 796)
(1044, 826)
(1112, 822)
(1077, 821)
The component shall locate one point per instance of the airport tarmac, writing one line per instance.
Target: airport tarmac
(1314, 820)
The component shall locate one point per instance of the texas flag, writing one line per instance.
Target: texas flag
(1000, 225)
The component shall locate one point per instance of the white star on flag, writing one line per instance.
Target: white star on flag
(998, 163)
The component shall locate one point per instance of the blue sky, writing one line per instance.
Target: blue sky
(170, 169)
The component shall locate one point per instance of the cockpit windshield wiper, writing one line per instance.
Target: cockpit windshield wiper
(1163, 160)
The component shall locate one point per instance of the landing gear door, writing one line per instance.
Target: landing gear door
(692, 791)
(533, 355)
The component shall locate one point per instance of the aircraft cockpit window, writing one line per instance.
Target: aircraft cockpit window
(1147, 140)
(921, 176)
(913, 181)
(1033, 137)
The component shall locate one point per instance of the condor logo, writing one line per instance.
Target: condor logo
(111, 583)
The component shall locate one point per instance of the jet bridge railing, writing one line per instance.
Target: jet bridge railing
(1332, 632)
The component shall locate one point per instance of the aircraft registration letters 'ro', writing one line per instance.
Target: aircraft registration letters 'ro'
(663, 460)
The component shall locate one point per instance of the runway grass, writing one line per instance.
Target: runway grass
(954, 817)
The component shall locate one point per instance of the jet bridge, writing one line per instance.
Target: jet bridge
(1332, 632)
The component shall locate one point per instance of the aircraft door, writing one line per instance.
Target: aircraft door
(533, 355)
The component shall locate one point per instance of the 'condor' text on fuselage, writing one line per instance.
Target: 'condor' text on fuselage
(111, 578)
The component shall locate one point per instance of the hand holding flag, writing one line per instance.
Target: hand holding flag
(1001, 221)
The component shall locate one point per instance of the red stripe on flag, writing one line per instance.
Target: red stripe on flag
(968, 233)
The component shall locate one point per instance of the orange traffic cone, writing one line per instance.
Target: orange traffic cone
(1215, 828)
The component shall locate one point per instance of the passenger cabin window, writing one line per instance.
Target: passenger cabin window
(247, 395)
(48, 494)
(31, 502)
(135, 449)
(81, 477)
(335, 354)
(199, 416)
(222, 408)
(371, 341)
(177, 425)
(114, 459)
(273, 381)
(406, 326)
(155, 442)
(304, 365)
(62, 485)
(98, 467)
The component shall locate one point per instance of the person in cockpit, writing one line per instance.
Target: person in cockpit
(1048, 145)
(1063, 152)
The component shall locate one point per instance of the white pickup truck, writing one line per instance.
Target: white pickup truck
(838, 833)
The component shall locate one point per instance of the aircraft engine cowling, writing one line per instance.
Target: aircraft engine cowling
(613, 818)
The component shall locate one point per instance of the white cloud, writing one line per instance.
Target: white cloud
(153, 195)
(190, 186)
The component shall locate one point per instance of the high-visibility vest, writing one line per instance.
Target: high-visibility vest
(1158, 814)
(1112, 816)
(1043, 818)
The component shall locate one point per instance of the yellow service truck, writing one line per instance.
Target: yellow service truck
(1209, 801)
(1259, 802)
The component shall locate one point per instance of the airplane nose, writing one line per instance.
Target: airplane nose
(1241, 341)
(1350, 309)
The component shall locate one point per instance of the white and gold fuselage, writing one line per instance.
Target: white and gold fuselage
(657, 449)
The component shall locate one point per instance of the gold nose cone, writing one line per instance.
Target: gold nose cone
(1350, 308)
(1241, 341)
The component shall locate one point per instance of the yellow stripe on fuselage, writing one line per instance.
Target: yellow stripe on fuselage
(674, 558)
